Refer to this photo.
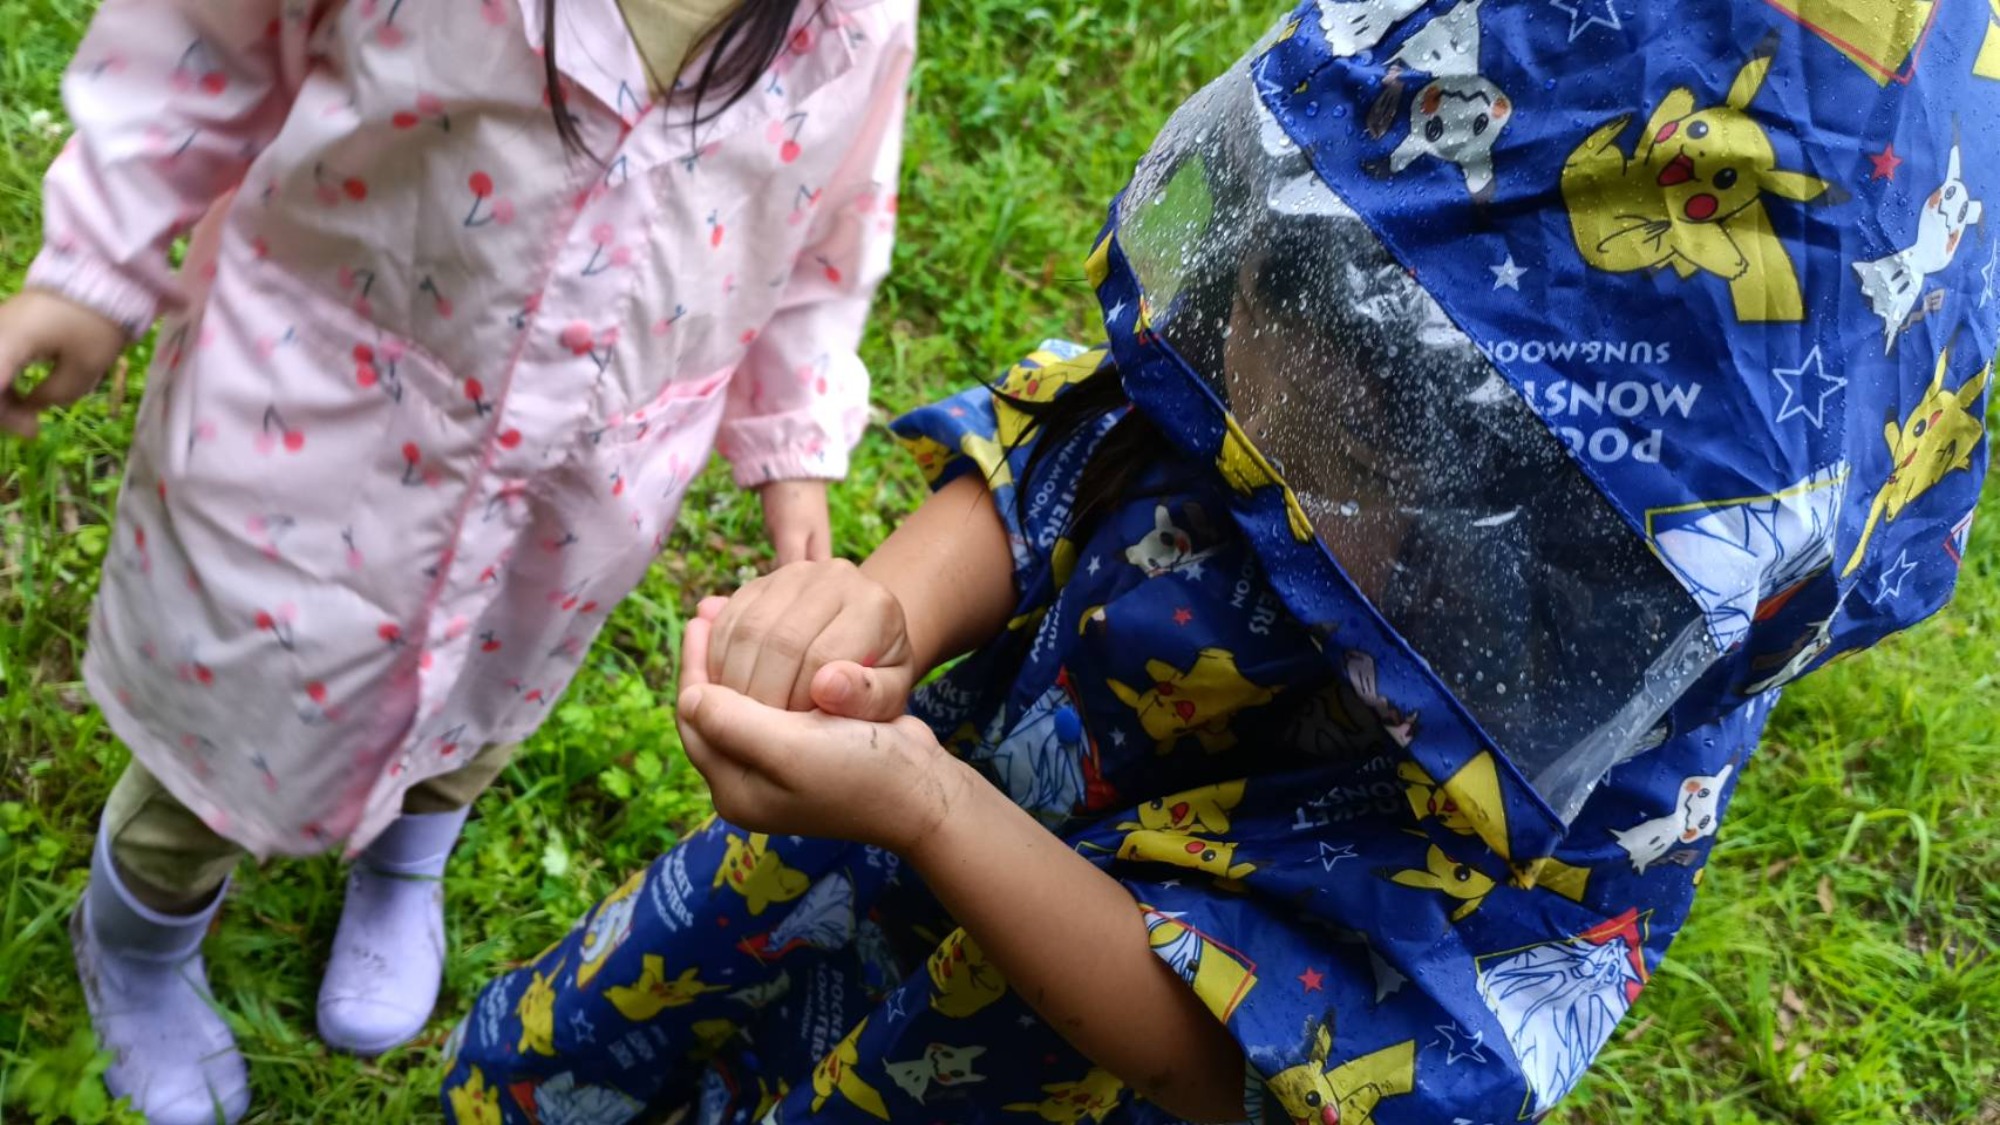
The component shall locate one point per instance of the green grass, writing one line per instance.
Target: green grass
(1840, 965)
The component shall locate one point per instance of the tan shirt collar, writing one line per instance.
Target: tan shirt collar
(668, 31)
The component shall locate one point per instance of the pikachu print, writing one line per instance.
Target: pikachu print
(1085, 1101)
(1319, 1092)
(750, 868)
(537, 1013)
(1937, 439)
(1197, 702)
(1692, 197)
(962, 981)
(838, 1075)
(1464, 887)
(655, 991)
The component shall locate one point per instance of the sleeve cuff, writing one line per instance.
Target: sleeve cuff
(67, 273)
(752, 471)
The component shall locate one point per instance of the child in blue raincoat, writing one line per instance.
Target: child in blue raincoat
(1365, 643)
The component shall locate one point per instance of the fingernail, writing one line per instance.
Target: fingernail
(836, 689)
(690, 699)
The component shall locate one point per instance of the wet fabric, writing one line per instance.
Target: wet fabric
(1548, 385)
(1154, 704)
(1627, 365)
(429, 391)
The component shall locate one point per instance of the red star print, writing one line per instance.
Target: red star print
(1183, 615)
(1886, 163)
(1311, 980)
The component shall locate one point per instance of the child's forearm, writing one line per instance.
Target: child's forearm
(1068, 937)
(950, 567)
(1072, 944)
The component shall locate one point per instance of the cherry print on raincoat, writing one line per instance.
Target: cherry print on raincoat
(429, 390)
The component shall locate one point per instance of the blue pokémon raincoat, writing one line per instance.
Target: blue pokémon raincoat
(1544, 386)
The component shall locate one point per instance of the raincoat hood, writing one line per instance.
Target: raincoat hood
(1583, 364)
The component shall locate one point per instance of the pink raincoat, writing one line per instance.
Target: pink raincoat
(430, 391)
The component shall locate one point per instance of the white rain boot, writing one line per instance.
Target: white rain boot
(147, 988)
(388, 955)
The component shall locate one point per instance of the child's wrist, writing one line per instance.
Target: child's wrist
(921, 656)
(952, 795)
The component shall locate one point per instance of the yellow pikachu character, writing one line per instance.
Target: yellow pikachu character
(835, 1074)
(1089, 1098)
(1198, 810)
(931, 456)
(654, 992)
(1198, 702)
(537, 1011)
(750, 869)
(1041, 376)
(1211, 857)
(962, 980)
(1468, 802)
(1429, 801)
(1346, 1094)
(472, 1103)
(1937, 439)
(1692, 198)
(1466, 884)
(1038, 378)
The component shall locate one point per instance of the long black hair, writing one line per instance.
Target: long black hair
(1127, 450)
(745, 43)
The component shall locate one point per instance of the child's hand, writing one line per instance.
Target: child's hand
(813, 774)
(813, 635)
(79, 346)
(796, 519)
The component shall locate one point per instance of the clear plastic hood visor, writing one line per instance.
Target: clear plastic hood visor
(1444, 500)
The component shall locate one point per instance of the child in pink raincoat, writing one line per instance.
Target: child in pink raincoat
(471, 293)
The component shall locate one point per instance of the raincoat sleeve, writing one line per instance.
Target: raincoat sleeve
(800, 401)
(1323, 1019)
(982, 430)
(1331, 917)
(171, 101)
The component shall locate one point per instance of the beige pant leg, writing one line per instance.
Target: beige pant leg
(173, 862)
(450, 792)
(167, 857)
